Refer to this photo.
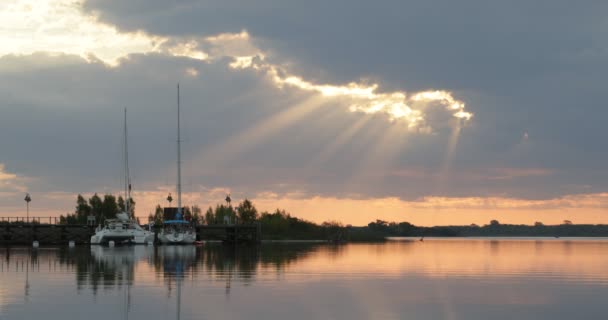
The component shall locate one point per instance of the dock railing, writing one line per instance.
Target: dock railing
(38, 220)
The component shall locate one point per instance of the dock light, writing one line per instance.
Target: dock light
(27, 199)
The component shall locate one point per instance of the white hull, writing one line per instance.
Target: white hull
(122, 232)
(121, 238)
(177, 237)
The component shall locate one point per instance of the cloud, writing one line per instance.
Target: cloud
(4, 176)
(518, 66)
(60, 26)
(10, 183)
(358, 101)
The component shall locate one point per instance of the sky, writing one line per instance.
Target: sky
(434, 112)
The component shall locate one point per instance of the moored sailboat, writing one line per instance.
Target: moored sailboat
(178, 230)
(123, 229)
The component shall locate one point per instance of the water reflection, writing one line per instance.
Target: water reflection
(112, 268)
(434, 279)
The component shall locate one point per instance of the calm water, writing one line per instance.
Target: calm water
(407, 279)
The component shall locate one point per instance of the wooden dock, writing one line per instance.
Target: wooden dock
(45, 234)
(23, 233)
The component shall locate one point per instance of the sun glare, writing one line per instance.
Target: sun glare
(30, 26)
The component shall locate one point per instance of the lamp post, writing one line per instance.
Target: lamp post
(229, 200)
(27, 204)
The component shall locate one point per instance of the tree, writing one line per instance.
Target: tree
(109, 207)
(209, 216)
(494, 223)
(196, 215)
(121, 204)
(96, 207)
(538, 224)
(158, 215)
(277, 222)
(83, 209)
(187, 214)
(567, 222)
(224, 213)
(334, 230)
(247, 212)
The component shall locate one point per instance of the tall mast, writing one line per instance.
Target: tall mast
(179, 161)
(127, 179)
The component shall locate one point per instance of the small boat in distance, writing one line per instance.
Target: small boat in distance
(123, 229)
(178, 230)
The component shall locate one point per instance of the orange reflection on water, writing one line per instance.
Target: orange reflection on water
(578, 260)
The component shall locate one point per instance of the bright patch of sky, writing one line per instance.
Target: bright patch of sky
(60, 26)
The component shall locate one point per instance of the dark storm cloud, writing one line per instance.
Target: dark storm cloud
(469, 43)
(522, 66)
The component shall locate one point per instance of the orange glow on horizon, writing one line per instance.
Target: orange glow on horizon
(429, 211)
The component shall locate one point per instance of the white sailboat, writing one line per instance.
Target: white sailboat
(178, 230)
(122, 229)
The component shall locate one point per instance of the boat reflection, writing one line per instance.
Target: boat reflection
(108, 268)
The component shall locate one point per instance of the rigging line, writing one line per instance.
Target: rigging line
(127, 179)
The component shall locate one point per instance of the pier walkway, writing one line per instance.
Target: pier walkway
(47, 231)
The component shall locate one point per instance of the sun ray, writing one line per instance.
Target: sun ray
(334, 146)
(444, 174)
(223, 153)
(385, 150)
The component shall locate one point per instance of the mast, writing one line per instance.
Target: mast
(179, 161)
(126, 163)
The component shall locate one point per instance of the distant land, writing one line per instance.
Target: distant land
(280, 225)
(381, 228)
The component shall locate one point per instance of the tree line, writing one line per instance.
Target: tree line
(281, 225)
(493, 229)
(98, 207)
(276, 225)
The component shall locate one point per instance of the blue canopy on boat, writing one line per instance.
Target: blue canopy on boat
(177, 221)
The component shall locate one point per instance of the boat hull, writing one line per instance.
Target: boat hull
(177, 238)
(104, 237)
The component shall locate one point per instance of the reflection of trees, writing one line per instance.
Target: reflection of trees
(217, 260)
(113, 268)
(225, 263)
(280, 255)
